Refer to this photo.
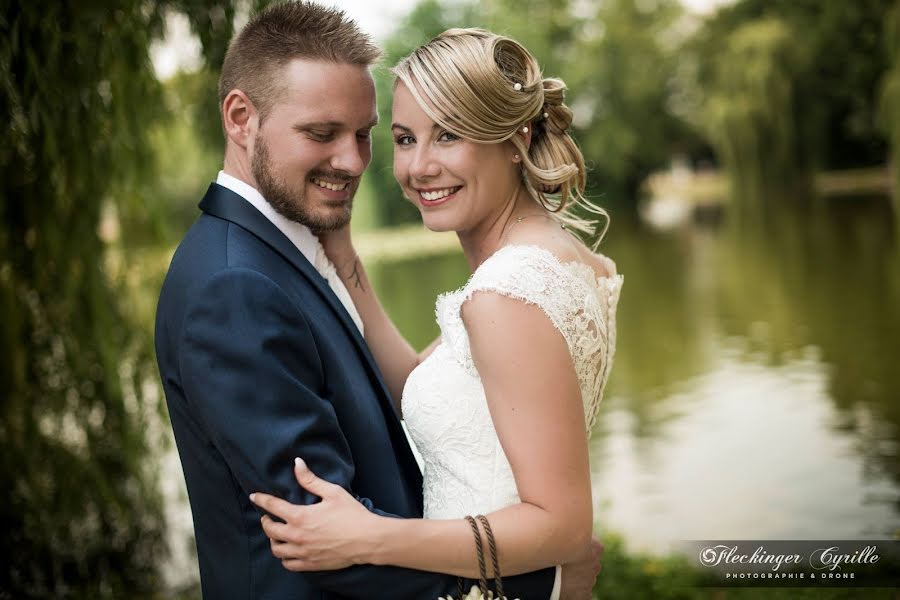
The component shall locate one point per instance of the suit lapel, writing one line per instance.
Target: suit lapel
(221, 202)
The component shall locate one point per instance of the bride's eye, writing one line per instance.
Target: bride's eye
(448, 137)
(403, 140)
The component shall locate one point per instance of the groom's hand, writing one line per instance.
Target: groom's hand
(578, 577)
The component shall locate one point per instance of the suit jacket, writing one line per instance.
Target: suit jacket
(260, 363)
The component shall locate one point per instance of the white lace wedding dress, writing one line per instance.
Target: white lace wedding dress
(465, 470)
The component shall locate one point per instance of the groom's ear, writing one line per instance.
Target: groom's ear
(237, 116)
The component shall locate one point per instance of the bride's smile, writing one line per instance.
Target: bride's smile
(457, 184)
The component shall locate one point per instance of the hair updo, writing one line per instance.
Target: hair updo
(485, 87)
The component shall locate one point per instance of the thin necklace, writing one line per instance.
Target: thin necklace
(520, 219)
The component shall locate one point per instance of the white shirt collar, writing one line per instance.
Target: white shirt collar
(300, 235)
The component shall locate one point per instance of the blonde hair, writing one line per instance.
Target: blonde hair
(485, 87)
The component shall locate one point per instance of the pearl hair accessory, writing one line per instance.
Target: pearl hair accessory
(546, 116)
(525, 130)
(518, 87)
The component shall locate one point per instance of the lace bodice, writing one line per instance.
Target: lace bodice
(444, 405)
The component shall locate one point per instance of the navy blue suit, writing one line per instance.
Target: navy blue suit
(260, 363)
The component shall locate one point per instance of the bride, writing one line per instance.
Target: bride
(501, 405)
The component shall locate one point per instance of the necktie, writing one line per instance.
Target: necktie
(327, 270)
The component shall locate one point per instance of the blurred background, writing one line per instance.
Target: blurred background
(745, 149)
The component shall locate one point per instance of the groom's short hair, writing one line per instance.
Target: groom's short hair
(284, 32)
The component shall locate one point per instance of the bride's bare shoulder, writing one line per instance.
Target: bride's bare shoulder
(566, 248)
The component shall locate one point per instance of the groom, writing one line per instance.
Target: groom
(262, 357)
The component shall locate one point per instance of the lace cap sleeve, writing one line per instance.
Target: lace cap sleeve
(526, 273)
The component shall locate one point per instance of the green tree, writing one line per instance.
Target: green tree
(623, 83)
(749, 113)
(788, 87)
(82, 515)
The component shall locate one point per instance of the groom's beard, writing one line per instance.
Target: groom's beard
(293, 204)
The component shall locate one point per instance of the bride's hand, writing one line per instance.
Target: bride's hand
(338, 246)
(318, 537)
